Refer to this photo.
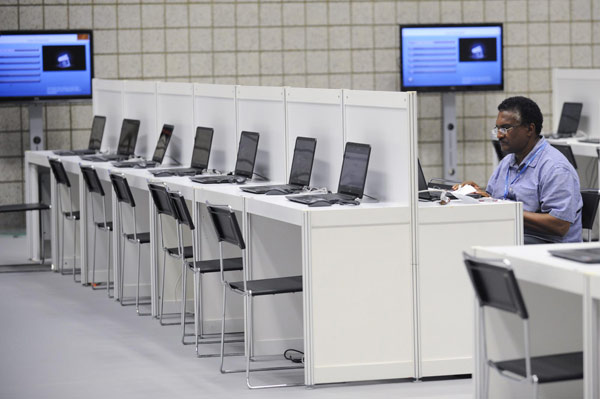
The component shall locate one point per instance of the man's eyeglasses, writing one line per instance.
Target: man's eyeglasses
(502, 129)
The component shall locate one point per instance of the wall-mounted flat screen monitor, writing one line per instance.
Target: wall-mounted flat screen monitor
(458, 57)
(45, 65)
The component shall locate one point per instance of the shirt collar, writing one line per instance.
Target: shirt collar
(533, 163)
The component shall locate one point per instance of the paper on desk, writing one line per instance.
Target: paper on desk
(464, 190)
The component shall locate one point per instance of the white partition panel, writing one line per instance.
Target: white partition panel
(175, 106)
(262, 110)
(386, 121)
(317, 113)
(577, 85)
(139, 102)
(214, 106)
(108, 102)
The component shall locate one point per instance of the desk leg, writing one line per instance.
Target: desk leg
(154, 266)
(590, 344)
(32, 195)
(83, 230)
(54, 244)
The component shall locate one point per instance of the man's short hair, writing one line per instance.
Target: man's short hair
(528, 111)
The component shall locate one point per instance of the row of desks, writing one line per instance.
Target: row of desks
(384, 298)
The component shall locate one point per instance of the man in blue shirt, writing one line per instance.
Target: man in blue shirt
(536, 174)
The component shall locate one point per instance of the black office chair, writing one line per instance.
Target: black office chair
(199, 268)
(566, 150)
(228, 230)
(125, 196)
(94, 186)
(590, 197)
(496, 286)
(498, 150)
(62, 180)
(162, 203)
(30, 207)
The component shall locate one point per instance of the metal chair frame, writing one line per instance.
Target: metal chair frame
(235, 238)
(124, 195)
(62, 180)
(94, 186)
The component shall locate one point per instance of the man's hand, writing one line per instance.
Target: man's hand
(478, 189)
(546, 223)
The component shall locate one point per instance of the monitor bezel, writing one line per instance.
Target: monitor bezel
(313, 141)
(237, 161)
(212, 134)
(347, 189)
(456, 88)
(170, 129)
(70, 97)
(131, 148)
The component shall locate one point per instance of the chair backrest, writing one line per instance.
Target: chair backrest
(566, 150)
(495, 285)
(226, 225)
(122, 190)
(59, 172)
(160, 196)
(92, 181)
(590, 199)
(180, 209)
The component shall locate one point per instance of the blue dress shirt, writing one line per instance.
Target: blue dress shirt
(549, 184)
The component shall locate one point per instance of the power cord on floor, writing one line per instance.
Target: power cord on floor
(293, 355)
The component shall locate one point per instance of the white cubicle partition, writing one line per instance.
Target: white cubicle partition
(175, 106)
(139, 102)
(108, 101)
(214, 106)
(262, 110)
(317, 113)
(577, 85)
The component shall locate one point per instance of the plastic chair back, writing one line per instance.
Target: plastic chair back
(226, 225)
(160, 196)
(180, 209)
(91, 180)
(566, 150)
(495, 285)
(122, 190)
(590, 199)
(59, 172)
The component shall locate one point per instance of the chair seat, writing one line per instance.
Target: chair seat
(75, 215)
(188, 252)
(270, 286)
(143, 238)
(109, 225)
(550, 368)
(23, 207)
(214, 265)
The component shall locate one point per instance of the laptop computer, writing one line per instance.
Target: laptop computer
(569, 119)
(244, 165)
(300, 172)
(353, 178)
(159, 152)
(95, 139)
(426, 195)
(126, 147)
(582, 255)
(200, 156)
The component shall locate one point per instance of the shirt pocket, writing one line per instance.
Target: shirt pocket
(527, 192)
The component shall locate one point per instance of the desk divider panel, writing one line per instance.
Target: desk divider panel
(175, 106)
(214, 106)
(577, 85)
(262, 110)
(317, 113)
(385, 120)
(108, 101)
(139, 102)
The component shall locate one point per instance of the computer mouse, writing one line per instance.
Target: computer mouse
(351, 202)
(319, 203)
(275, 191)
(240, 180)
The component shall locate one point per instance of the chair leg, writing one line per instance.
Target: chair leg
(94, 261)
(183, 298)
(223, 371)
(62, 246)
(486, 382)
(75, 251)
(162, 289)
(109, 234)
(137, 293)
(42, 244)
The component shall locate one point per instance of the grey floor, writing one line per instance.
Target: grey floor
(61, 340)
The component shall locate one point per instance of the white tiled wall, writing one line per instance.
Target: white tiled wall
(311, 43)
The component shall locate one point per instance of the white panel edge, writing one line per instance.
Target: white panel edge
(384, 99)
(107, 85)
(177, 88)
(139, 86)
(260, 93)
(313, 96)
(214, 90)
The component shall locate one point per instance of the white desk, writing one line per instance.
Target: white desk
(533, 264)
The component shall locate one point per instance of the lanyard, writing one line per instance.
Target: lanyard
(506, 185)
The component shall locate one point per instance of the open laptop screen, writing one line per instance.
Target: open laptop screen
(202, 145)
(128, 138)
(302, 163)
(354, 169)
(422, 180)
(569, 118)
(246, 156)
(163, 143)
(97, 132)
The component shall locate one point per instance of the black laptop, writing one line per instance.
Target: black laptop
(95, 139)
(582, 255)
(569, 120)
(300, 172)
(159, 152)
(423, 194)
(200, 156)
(244, 165)
(352, 179)
(127, 140)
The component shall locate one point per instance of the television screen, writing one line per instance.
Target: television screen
(45, 65)
(451, 57)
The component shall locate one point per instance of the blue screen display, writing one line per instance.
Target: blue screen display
(45, 65)
(448, 58)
